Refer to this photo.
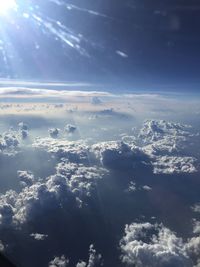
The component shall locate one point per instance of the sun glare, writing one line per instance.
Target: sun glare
(6, 5)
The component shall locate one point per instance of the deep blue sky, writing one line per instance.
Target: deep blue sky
(154, 44)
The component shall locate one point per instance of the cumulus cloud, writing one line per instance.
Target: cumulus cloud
(68, 188)
(54, 132)
(118, 154)
(154, 130)
(59, 262)
(69, 128)
(95, 259)
(167, 144)
(153, 245)
(173, 165)
(133, 187)
(81, 179)
(76, 151)
(26, 178)
(8, 140)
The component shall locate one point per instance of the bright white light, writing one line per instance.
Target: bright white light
(6, 5)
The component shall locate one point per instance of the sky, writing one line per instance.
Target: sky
(127, 44)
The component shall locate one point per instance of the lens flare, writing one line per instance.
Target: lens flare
(6, 5)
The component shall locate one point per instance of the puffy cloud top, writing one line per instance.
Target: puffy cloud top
(154, 130)
(167, 145)
(74, 151)
(118, 154)
(71, 184)
(153, 245)
(171, 165)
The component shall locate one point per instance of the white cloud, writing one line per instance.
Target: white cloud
(118, 154)
(94, 259)
(68, 188)
(154, 130)
(76, 151)
(2, 248)
(8, 140)
(196, 227)
(167, 145)
(133, 187)
(196, 208)
(173, 165)
(59, 262)
(121, 54)
(81, 179)
(147, 188)
(39, 237)
(153, 245)
(26, 178)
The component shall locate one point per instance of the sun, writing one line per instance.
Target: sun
(6, 5)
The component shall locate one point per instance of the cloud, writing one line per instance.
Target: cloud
(69, 187)
(54, 132)
(169, 134)
(133, 187)
(96, 100)
(39, 237)
(26, 178)
(196, 208)
(9, 143)
(173, 165)
(149, 245)
(94, 259)
(81, 179)
(9, 140)
(6, 214)
(2, 248)
(59, 262)
(23, 92)
(23, 126)
(167, 144)
(196, 227)
(121, 54)
(35, 201)
(24, 134)
(69, 128)
(116, 155)
(76, 151)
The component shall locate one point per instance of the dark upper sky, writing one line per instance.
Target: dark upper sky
(125, 42)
